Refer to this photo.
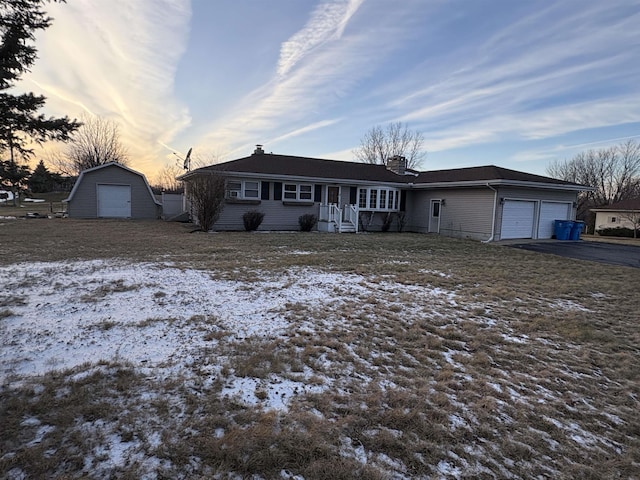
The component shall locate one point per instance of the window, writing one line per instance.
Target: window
(362, 202)
(385, 199)
(613, 219)
(436, 208)
(251, 189)
(305, 192)
(290, 191)
(243, 189)
(234, 189)
(296, 192)
(373, 198)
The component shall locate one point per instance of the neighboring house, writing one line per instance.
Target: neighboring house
(112, 191)
(484, 203)
(618, 215)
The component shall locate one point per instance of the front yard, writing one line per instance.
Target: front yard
(140, 350)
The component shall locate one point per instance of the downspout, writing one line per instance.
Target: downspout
(493, 216)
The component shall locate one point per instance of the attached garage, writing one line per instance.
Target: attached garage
(518, 219)
(549, 213)
(112, 191)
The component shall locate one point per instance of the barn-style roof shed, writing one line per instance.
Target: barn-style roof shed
(112, 190)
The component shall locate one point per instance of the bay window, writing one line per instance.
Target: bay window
(383, 199)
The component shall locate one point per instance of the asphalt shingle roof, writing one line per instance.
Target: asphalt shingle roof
(488, 172)
(629, 204)
(274, 164)
(288, 165)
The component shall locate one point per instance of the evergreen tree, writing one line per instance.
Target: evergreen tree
(41, 180)
(20, 122)
(13, 176)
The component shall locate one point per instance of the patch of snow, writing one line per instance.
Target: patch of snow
(445, 468)
(569, 305)
(272, 394)
(78, 312)
(435, 273)
(512, 339)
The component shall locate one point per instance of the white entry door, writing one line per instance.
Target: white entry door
(434, 217)
(549, 213)
(517, 219)
(114, 201)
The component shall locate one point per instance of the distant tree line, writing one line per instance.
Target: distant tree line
(613, 173)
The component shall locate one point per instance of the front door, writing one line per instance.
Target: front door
(434, 217)
(333, 195)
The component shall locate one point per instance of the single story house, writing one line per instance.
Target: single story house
(486, 203)
(112, 190)
(624, 214)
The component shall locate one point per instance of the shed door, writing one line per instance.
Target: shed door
(550, 211)
(517, 219)
(114, 201)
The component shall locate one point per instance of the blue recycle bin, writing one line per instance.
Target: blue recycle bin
(562, 229)
(576, 230)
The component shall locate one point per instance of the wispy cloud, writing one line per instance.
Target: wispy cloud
(321, 65)
(327, 22)
(117, 59)
(544, 75)
(305, 129)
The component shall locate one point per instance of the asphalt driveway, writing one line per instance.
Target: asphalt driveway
(611, 253)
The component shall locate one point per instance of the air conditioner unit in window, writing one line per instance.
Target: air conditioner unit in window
(234, 193)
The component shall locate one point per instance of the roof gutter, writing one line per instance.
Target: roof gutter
(506, 183)
(291, 178)
(493, 215)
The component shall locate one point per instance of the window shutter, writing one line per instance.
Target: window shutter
(317, 194)
(403, 200)
(265, 191)
(353, 195)
(277, 190)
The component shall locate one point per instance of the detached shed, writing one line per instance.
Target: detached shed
(112, 191)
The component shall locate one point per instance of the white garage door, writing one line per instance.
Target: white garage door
(549, 212)
(517, 219)
(114, 201)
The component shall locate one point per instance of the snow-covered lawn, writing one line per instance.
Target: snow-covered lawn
(371, 375)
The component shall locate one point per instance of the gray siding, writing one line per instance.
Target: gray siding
(467, 213)
(277, 215)
(84, 202)
(537, 195)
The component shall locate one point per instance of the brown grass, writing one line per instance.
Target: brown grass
(531, 370)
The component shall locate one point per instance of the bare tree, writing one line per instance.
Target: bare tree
(614, 172)
(166, 179)
(633, 216)
(380, 144)
(95, 143)
(206, 195)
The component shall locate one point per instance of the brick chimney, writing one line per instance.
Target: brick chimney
(397, 164)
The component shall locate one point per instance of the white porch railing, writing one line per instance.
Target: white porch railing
(345, 219)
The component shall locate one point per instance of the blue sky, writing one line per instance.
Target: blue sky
(506, 82)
